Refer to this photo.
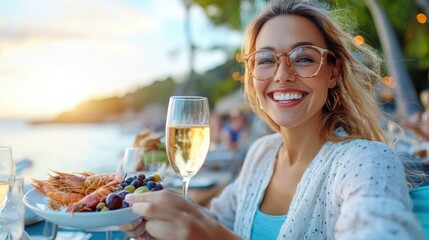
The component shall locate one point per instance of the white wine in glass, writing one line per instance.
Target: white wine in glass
(187, 136)
(7, 173)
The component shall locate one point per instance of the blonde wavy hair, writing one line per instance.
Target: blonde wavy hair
(352, 104)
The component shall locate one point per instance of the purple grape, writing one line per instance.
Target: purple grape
(114, 201)
(141, 176)
(136, 183)
(150, 185)
(159, 186)
(129, 180)
(123, 193)
(125, 204)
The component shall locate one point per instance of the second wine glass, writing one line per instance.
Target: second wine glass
(187, 136)
(7, 173)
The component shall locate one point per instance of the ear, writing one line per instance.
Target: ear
(335, 74)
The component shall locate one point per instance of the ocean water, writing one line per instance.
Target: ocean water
(70, 148)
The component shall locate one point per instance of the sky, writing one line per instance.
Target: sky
(55, 54)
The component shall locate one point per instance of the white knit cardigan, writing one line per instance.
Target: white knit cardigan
(351, 190)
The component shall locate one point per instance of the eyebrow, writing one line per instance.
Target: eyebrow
(295, 45)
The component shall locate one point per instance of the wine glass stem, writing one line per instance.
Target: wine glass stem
(185, 186)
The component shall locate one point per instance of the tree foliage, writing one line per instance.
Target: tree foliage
(412, 36)
(225, 12)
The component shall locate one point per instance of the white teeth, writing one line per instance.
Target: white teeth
(278, 96)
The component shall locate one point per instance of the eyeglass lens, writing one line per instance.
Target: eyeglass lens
(304, 61)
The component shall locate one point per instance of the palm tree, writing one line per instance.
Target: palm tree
(406, 96)
(228, 14)
(186, 87)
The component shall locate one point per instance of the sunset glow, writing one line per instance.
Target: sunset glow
(57, 53)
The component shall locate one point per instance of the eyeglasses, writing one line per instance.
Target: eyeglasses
(303, 61)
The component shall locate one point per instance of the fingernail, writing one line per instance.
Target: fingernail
(130, 198)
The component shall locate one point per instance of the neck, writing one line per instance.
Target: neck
(301, 144)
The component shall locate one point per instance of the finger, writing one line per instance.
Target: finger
(131, 225)
(135, 228)
(157, 195)
(165, 197)
(145, 236)
(165, 230)
(151, 210)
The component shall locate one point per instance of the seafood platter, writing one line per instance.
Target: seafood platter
(87, 200)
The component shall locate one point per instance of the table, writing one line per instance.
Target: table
(219, 159)
(48, 231)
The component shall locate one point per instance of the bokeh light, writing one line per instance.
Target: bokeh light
(359, 40)
(389, 81)
(421, 18)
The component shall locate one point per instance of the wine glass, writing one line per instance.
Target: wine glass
(7, 174)
(12, 216)
(187, 136)
(132, 162)
(144, 160)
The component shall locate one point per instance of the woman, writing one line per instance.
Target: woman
(326, 173)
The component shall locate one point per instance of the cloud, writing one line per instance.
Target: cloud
(77, 19)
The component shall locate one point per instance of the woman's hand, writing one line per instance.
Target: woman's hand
(136, 229)
(166, 215)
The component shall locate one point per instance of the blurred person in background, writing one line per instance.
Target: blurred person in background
(419, 123)
(327, 172)
(235, 131)
(217, 122)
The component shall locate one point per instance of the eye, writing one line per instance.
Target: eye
(265, 58)
(303, 59)
(305, 55)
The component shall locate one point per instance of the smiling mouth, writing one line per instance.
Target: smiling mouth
(287, 97)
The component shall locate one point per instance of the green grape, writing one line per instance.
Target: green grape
(100, 206)
(130, 188)
(142, 189)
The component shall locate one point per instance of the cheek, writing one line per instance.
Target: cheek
(320, 89)
(259, 87)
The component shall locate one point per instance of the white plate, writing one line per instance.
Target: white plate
(38, 202)
(30, 217)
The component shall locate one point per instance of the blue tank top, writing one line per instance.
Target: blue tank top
(266, 227)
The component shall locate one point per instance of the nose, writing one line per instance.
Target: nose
(284, 73)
